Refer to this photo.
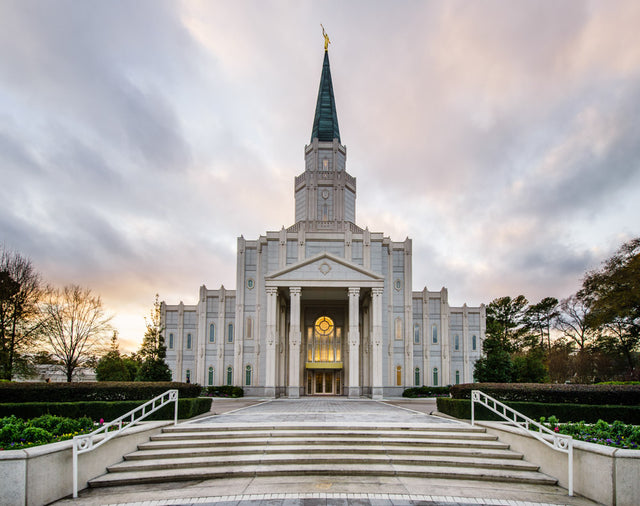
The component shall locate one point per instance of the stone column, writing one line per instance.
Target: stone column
(354, 342)
(294, 344)
(376, 351)
(270, 370)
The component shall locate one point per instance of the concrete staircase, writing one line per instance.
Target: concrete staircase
(199, 452)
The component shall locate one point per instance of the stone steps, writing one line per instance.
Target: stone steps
(192, 452)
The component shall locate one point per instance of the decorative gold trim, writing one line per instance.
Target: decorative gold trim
(323, 365)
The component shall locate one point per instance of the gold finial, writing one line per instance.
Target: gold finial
(326, 38)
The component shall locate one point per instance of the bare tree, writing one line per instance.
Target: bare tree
(571, 321)
(20, 291)
(75, 325)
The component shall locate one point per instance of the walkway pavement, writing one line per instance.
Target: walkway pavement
(325, 490)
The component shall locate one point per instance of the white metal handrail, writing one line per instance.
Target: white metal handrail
(560, 442)
(87, 442)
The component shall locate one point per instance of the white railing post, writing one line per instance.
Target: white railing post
(85, 442)
(561, 442)
(75, 470)
(175, 410)
(473, 404)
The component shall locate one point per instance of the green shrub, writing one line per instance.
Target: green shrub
(425, 391)
(96, 410)
(617, 434)
(461, 408)
(92, 391)
(223, 391)
(628, 395)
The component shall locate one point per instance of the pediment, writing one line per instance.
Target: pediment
(325, 268)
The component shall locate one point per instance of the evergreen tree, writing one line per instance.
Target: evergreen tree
(113, 366)
(153, 350)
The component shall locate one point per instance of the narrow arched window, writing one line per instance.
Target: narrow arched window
(230, 333)
(398, 328)
(416, 376)
(474, 342)
(210, 376)
(456, 342)
(435, 376)
(457, 377)
(188, 341)
(249, 328)
(434, 334)
(247, 375)
(212, 332)
(188, 375)
(229, 375)
(416, 333)
(171, 341)
(399, 375)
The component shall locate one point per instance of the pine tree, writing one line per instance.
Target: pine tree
(153, 350)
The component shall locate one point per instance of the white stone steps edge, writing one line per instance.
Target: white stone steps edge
(157, 476)
(342, 458)
(171, 435)
(197, 427)
(277, 449)
(156, 442)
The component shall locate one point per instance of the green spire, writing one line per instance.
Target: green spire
(325, 122)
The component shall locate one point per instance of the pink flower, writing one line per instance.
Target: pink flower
(101, 421)
(557, 429)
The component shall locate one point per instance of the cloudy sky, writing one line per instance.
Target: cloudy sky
(139, 139)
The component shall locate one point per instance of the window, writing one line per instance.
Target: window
(247, 375)
(435, 376)
(171, 341)
(474, 342)
(188, 341)
(249, 328)
(229, 375)
(230, 333)
(399, 375)
(457, 377)
(250, 283)
(398, 328)
(324, 341)
(416, 333)
(456, 342)
(325, 164)
(188, 375)
(210, 376)
(212, 333)
(416, 376)
(434, 333)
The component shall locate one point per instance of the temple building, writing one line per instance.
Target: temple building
(323, 307)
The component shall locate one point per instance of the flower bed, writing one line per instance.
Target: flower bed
(617, 434)
(16, 433)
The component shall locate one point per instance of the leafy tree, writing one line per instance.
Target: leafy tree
(113, 366)
(153, 350)
(612, 294)
(530, 367)
(20, 291)
(495, 367)
(74, 323)
(572, 321)
(540, 318)
(507, 323)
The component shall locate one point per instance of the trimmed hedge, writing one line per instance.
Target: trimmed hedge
(93, 391)
(425, 391)
(461, 408)
(223, 391)
(107, 410)
(628, 395)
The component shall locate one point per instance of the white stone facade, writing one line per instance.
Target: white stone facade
(323, 307)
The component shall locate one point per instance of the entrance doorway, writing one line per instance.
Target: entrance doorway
(324, 382)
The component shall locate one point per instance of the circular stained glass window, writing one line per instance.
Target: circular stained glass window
(324, 326)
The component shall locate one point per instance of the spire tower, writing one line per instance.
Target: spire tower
(325, 193)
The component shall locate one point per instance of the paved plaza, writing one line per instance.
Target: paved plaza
(325, 490)
(329, 410)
